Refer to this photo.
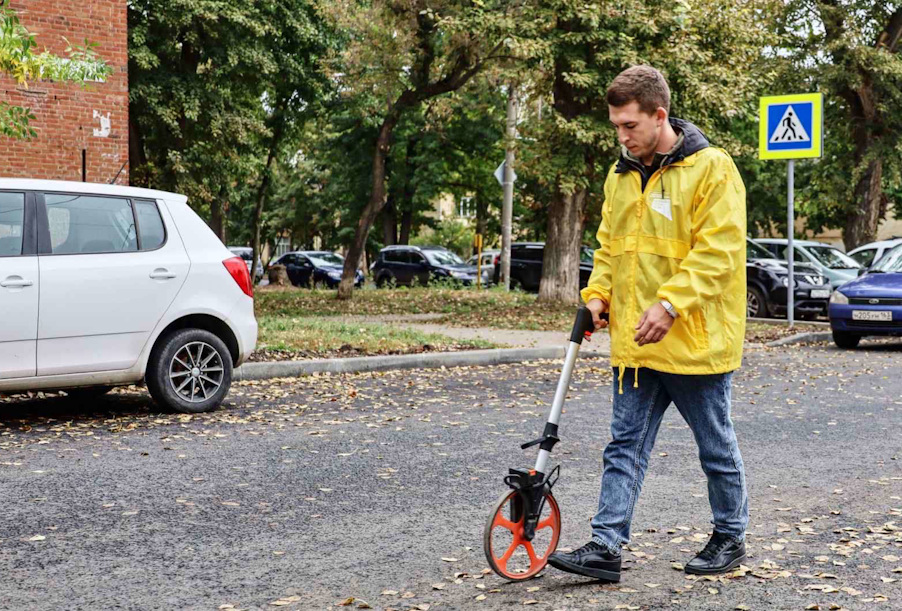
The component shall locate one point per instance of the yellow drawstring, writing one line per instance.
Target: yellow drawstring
(620, 378)
(636, 378)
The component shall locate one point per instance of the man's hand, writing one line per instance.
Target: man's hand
(597, 307)
(653, 326)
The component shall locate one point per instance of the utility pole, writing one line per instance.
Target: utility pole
(508, 184)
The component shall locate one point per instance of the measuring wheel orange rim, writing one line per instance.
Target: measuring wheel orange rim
(498, 559)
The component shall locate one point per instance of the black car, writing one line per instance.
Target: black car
(767, 280)
(315, 268)
(526, 265)
(410, 265)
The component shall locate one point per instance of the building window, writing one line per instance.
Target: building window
(466, 208)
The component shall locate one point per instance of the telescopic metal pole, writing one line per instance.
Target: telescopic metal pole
(790, 230)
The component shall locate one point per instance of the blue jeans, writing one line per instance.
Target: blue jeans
(704, 403)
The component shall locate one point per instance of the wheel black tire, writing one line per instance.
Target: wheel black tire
(87, 392)
(846, 340)
(186, 363)
(756, 303)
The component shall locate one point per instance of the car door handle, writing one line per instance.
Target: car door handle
(16, 282)
(162, 274)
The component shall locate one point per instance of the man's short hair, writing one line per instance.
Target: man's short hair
(642, 84)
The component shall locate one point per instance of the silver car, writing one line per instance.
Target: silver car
(487, 265)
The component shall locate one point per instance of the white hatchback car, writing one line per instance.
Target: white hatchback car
(104, 285)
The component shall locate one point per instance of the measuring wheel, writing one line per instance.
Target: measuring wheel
(510, 554)
(525, 526)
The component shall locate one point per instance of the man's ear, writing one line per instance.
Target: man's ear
(660, 116)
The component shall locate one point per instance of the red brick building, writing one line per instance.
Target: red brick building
(82, 133)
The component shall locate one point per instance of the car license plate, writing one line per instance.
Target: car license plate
(871, 315)
(820, 293)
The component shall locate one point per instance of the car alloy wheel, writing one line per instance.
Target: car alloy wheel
(190, 371)
(195, 372)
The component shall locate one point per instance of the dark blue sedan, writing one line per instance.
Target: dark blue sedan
(315, 269)
(870, 304)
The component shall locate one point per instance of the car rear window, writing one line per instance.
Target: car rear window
(12, 216)
(86, 224)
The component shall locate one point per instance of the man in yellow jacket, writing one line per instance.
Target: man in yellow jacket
(670, 271)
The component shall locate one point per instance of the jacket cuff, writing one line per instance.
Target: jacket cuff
(593, 292)
(662, 295)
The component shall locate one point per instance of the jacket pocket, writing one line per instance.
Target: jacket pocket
(698, 331)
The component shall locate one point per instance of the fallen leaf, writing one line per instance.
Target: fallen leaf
(346, 602)
(38, 538)
(450, 559)
(438, 586)
(481, 597)
(408, 595)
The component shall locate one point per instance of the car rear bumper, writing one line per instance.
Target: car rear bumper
(244, 324)
(841, 320)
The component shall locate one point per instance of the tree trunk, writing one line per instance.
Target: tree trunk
(390, 222)
(560, 265)
(373, 205)
(406, 222)
(217, 215)
(264, 185)
(864, 219)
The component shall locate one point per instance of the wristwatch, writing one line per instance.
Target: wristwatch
(669, 307)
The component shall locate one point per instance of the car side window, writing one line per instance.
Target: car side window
(865, 257)
(394, 256)
(150, 225)
(12, 219)
(534, 254)
(416, 258)
(85, 224)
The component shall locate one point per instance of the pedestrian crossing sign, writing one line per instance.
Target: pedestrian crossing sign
(791, 126)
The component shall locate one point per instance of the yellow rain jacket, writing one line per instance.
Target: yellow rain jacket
(680, 239)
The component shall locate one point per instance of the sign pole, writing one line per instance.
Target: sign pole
(791, 127)
(508, 183)
(790, 230)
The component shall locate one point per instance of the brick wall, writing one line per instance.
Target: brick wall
(67, 116)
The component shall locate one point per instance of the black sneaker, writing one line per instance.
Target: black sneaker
(591, 560)
(723, 553)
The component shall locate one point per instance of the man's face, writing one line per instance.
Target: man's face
(637, 131)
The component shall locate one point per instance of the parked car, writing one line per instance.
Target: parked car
(487, 267)
(247, 255)
(103, 285)
(315, 269)
(829, 260)
(410, 265)
(526, 265)
(871, 253)
(869, 305)
(767, 281)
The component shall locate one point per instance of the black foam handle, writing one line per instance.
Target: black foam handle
(584, 325)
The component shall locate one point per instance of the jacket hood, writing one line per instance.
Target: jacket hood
(694, 140)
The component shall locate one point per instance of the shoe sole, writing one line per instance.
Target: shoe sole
(729, 567)
(612, 576)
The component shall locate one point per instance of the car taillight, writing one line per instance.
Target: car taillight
(238, 269)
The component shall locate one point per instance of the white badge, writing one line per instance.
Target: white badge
(662, 206)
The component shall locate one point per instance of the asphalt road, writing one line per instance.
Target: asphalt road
(304, 494)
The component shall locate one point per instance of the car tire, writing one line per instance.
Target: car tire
(516, 284)
(755, 303)
(846, 340)
(83, 393)
(174, 386)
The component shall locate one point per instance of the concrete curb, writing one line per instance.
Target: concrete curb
(802, 338)
(499, 356)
